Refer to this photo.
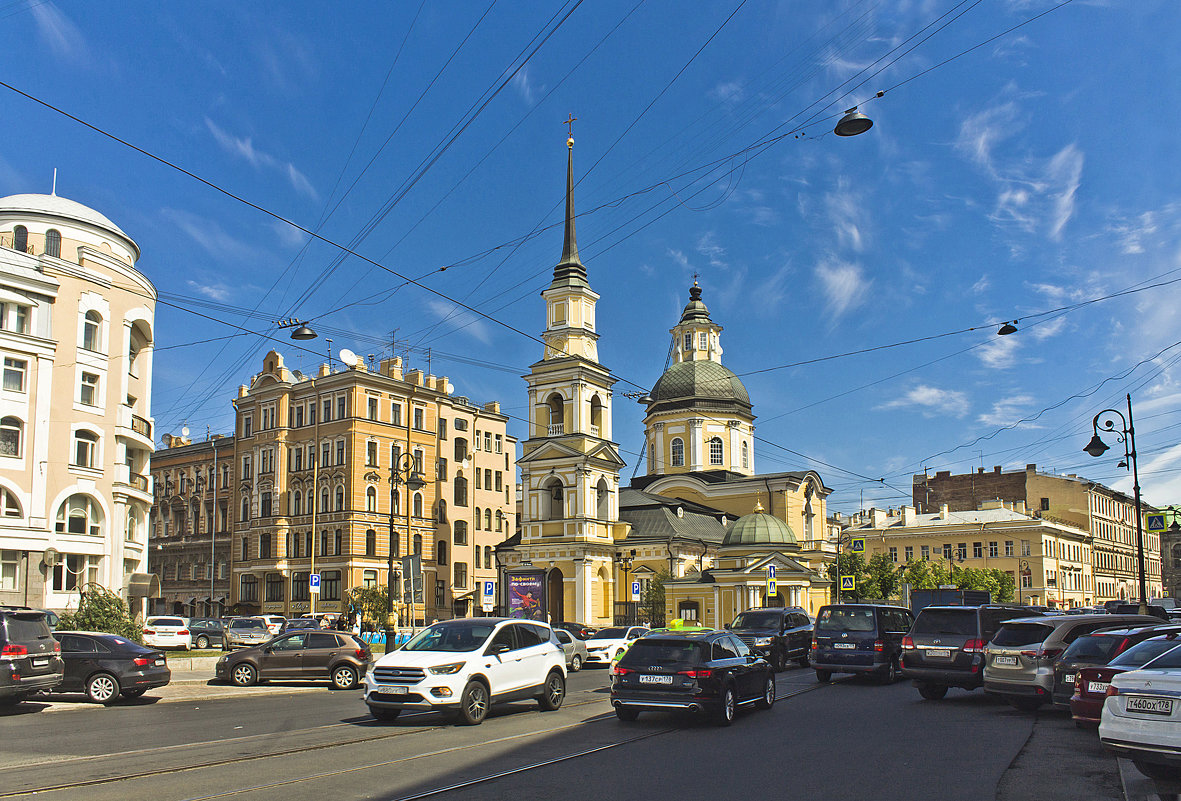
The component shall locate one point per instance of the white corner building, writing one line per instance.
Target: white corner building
(76, 332)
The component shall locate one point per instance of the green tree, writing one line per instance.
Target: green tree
(923, 574)
(652, 601)
(882, 577)
(852, 564)
(99, 609)
(370, 603)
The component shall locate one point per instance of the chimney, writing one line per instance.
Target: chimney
(943, 511)
(492, 406)
(878, 518)
(392, 367)
(1019, 506)
(415, 377)
(909, 517)
(996, 468)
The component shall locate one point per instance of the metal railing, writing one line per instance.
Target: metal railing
(141, 426)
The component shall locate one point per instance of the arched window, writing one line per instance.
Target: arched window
(596, 417)
(678, 452)
(245, 509)
(11, 429)
(487, 519)
(85, 447)
(460, 491)
(441, 552)
(10, 505)
(324, 499)
(603, 499)
(418, 504)
(92, 331)
(441, 511)
(80, 514)
(499, 520)
(340, 499)
(715, 451)
(478, 518)
(556, 417)
(370, 543)
(746, 456)
(1177, 555)
(53, 243)
(20, 238)
(296, 502)
(371, 499)
(556, 494)
(134, 517)
(417, 544)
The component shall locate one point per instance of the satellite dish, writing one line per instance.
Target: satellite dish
(184, 432)
(450, 388)
(348, 357)
(51, 557)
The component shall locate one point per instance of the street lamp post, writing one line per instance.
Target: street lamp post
(404, 470)
(1022, 569)
(1096, 447)
(624, 560)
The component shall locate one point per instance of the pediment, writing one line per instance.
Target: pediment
(551, 450)
(606, 453)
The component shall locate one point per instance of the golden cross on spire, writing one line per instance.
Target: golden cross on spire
(569, 123)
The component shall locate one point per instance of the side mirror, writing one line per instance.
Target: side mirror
(727, 627)
(497, 649)
(268, 650)
(751, 659)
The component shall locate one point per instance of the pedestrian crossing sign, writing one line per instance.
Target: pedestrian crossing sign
(1156, 522)
(771, 587)
(848, 582)
(859, 545)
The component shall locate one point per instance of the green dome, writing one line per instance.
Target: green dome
(759, 528)
(687, 385)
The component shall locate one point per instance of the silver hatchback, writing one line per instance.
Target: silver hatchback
(1019, 661)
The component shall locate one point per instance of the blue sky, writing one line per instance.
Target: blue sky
(1027, 176)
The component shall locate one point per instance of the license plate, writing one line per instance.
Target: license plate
(44, 662)
(1097, 686)
(160, 662)
(395, 690)
(844, 645)
(655, 679)
(1151, 706)
(1011, 661)
(943, 652)
(1068, 678)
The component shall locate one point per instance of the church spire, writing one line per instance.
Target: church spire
(570, 268)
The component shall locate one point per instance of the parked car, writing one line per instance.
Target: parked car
(465, 666)
(167, 632)
(30, 658)
(1140, 720)
(579, 630)
(1091, 683)
(336, 656)
(574, 648)
(205, 631)
(607, 644)
(945, 646)
(1098, 648)
(712, 672)
(859, 638)
(244, 632)
(1019, 661)
(105, 666)
(778, 634)
(1134, 609)
(303, 624)
(275, 623)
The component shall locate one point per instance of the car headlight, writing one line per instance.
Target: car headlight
(445, 670)
(762, 641)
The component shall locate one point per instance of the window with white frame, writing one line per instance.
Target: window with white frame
(371, 499)
(11, 434)
(85, 448)
(92, 331)
(10, 562)
(79, 514)
(14, 374)
(715, 451)
(88, 389)
(678, 452)
(14, 317)
(9, 505)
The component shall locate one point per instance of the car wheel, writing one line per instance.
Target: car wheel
(102, 688)
(551, 698)
(203, 642)
(473, 704)
(1025, 704)
(380, 713)
(768, 699)
(823, 675)
(344, 678)
(729, 705)
(1155, 771)
(804, 661)
(243, 674)
(778, 661)
(933, 692)
(134, 693)
(625, 714)
(575, 663)
(890, 674)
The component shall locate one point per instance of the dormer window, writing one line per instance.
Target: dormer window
(53, 243)
(20, 238)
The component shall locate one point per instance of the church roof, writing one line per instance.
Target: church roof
(759, 528)
(695, 310)
(569, 270)
(694, 384)
(64, 208)
(656, 517)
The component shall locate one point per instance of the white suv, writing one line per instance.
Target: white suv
(465, 666)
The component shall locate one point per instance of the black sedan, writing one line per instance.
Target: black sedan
(105, 666)
(696, 671)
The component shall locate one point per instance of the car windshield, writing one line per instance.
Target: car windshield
(1021, 634)
(945, 621)
(247, 624)
(757, 620)
(615, 633)
(664, 652)
(846, 620)
(1094, 648)
(1142, 653)
(450, 637)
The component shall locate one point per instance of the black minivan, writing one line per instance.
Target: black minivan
(859, 638)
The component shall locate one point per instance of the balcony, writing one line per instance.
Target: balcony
(129, 424)
(141, 426)
(557, 429)
(126, 477)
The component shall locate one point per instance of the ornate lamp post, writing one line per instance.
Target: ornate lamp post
(1126, 434)
(404, 470)
(624, 561)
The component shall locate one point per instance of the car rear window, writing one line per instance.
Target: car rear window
(23, 628)
(168, 621)
(1094, 647)
(1021, 634)
(664, 652)
(946, 621)
(1139, 654)
(846, 620)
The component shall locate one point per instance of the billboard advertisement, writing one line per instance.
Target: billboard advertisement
(524, 595)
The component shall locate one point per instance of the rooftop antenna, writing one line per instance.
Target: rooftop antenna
(54, 190)
(329, 341)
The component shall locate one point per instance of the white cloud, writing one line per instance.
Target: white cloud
(525, 87)
(844, 285)
(981, 286)
(461, 320)
(62, 36)
(213, 238)
(218, 291)
(1006, 411)
(999, 352)
(846, 216)
(244, 148)
(1063, 175)
(288, 235)
(707, 246)
(1132, 233)
(1050, 328)
(729, 92)
(932, 401)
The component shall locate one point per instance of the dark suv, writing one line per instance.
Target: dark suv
(696, 671)
(945, 647)
(859, 638)
(30, 659)
(779, 634)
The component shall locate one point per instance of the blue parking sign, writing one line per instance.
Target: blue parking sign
(314, 582)
(489, 589)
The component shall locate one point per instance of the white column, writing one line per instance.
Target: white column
(695, 458)
(717, 607)
(581, 591)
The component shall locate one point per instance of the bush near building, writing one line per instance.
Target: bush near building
(99, 609)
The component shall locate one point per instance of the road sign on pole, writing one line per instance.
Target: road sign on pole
(1156, 523)
(314, 582)
(848, 583)
(635, 590)
(858, 544)
(488, 595)
(770, 580)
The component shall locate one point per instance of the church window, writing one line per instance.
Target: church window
(678, 452)
(53, 243)
(687, 341)
(745, 456)
(715, 451)
(703, 341)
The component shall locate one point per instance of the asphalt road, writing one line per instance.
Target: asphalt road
(845, 740)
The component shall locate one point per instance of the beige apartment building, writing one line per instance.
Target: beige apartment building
(76, 331)
(1109, 516)
(321, 469)
(1050, 561)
